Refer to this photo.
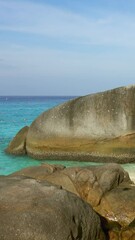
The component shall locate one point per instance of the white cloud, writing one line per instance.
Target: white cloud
(108, 29)
(58, 71)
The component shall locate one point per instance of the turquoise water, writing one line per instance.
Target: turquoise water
(17, 112)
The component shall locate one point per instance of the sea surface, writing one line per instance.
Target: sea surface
(17, 112)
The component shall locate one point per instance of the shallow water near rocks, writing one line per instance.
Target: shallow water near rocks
(17, 112)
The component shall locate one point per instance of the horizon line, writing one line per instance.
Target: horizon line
(39, 95)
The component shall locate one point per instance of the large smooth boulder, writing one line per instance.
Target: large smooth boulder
(96, 127)
(35, 210)
(18, 145)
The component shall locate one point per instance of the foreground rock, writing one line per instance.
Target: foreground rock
(35, 210)
(108, 189)
(18, 145)
(118, 208)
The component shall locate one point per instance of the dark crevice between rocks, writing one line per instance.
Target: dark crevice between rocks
(80, 231)
(25, 150)
(132, 224)
(126, 189)
(109, 225)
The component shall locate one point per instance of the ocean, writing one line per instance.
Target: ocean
(17, 112)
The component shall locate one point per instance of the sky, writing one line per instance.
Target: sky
(66, 47)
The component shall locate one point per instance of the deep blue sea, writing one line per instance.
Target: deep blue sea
(17, 112)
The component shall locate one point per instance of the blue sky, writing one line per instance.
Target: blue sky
(66, 47)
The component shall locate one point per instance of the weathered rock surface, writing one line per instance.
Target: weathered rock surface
(39, 172)
(35, 210)
(118, 207)
(18, 145)
(98, 125)
(108, 189)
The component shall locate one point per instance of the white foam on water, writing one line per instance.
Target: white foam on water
(130, 168)
(132, 176)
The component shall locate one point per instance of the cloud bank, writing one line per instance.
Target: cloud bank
(64, 51)
(112, 28)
